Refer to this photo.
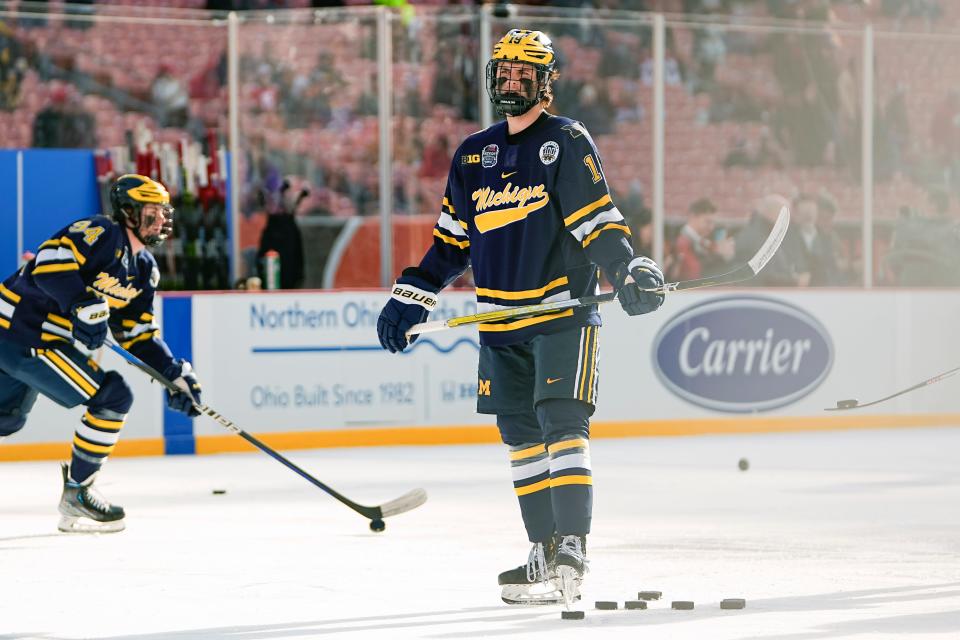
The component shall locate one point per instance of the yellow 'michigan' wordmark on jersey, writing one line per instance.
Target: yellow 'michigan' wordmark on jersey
(487, 197)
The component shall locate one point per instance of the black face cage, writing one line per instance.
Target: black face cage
(513, 104)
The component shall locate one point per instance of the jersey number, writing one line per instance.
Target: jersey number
(90, 234)
(592, 166)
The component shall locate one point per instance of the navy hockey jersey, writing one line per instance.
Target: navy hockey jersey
(533, 216)
(89, 255)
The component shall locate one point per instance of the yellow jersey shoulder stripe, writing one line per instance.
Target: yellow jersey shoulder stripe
(67, 242)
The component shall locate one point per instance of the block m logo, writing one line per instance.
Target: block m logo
(484, 388)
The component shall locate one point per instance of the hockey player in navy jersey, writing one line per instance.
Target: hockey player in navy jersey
(527, 206)
(90, 277)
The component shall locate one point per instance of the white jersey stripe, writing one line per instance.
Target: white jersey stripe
(585, 229)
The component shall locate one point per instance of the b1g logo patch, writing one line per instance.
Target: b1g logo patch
(489, 155)
(470, 158)
(549, 151)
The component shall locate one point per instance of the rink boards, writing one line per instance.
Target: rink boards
(305, 370)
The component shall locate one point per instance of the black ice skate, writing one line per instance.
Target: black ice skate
(570, 567)
(534, 582)
(83, 510)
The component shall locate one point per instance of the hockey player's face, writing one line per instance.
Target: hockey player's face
(152, 218)
(156, 224)
(518, 78)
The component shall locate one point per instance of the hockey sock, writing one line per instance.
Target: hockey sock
(530, 468)
(566, 424)
(93, 441)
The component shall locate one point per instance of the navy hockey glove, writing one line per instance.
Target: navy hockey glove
(181, 374)
(411, 300)
(646, 275)
(89, 317)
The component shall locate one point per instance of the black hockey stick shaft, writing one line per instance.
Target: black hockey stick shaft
(742, 273)
(846, 405)
(404, 503)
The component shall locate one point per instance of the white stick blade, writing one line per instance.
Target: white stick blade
(406, 502)
(772, 243)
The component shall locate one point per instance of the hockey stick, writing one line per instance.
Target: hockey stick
(844, 405)
(404, 503)
(740, 274)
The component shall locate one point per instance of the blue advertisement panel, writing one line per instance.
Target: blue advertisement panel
(8, 212)
(59, 186)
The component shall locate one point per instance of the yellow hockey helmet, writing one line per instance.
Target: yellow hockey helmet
(520, 48)
(128, 194)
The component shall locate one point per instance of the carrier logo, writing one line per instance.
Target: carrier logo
(743, 354)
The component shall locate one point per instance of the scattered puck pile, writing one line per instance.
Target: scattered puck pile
(643, 598)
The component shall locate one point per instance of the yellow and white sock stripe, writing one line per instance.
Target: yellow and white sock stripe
(530, 468)
(98, 435)
(570, 462)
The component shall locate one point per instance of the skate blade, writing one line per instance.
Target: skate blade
(568, 580)
(540, 593)
(75, 524)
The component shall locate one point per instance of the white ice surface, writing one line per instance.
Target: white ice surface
(828, 535)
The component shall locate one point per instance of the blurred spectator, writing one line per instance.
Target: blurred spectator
(265, 94)
(782, 270)
(436, 158)
(927, 10)
(892, 135)
(633, 208)
(945, 125)
(765, 154)
(709, 51)
(924, 250)
(13, 66)
(594, 109)
(169, 97)
(672, 71)
(63, 123)
(826, 215)
(79, 8)
(281, 234)
(700, 248)
(813, 252)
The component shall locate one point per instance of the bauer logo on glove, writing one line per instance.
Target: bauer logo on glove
(406, 293)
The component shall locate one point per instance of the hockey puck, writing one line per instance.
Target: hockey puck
(572, 615)
(682, 605)
(744, 464)
(634, 604)
(606, 605)
(733, 603)
(649, 595)
(378, 525)
(219, 492)
(846, 404)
